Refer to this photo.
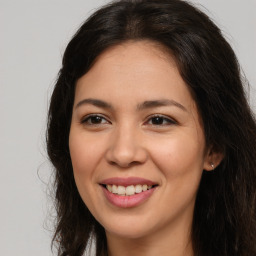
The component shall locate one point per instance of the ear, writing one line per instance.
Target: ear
(212, 159)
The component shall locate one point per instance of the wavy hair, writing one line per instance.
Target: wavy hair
(224, 221)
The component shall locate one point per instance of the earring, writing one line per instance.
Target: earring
(212, 165)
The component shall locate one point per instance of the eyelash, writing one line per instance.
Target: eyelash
(89, 117)
(165, 120)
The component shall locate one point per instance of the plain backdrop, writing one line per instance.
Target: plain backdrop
(33, 36)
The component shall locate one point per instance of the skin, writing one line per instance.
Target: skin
(127, 142)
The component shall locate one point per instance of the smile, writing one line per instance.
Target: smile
(127, 192)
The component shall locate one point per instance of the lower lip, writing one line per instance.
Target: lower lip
(128, 201)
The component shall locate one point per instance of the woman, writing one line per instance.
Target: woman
(151, 136)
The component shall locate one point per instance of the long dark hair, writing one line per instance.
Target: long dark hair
(224, 220)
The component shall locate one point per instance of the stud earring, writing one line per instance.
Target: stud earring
(212, 165)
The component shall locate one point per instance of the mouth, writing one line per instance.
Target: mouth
(127, 190)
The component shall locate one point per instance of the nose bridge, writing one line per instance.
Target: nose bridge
(126, 147)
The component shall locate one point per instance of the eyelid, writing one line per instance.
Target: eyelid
(85, 118)
(171, 121)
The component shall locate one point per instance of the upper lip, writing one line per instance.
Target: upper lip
(127, 181)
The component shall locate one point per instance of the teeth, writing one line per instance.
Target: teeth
(114, 189)
(121, 190)
(109, 188)
(138, 189)
(129, 190)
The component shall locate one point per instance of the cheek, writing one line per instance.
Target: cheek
(179, 155)
(85, 154)
(180, 162)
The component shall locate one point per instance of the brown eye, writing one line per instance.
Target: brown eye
(157, 120)
(160, 120)
(94, 120)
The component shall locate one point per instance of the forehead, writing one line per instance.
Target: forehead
(138, 62)
(134, 71)
(137, 53)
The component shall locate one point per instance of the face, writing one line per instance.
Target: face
(136, 142)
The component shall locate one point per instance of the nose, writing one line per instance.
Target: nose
(126, 148)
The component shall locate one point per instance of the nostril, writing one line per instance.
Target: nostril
(124, 164)
(126, 155)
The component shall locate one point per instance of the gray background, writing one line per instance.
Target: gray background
(34, 34)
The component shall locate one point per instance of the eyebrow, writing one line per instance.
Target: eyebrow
(145, 105)
(95, 102)
(160, 103)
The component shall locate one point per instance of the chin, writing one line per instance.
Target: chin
(127, 233)
(129, 229)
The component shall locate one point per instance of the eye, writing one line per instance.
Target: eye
(94, 120)
(159, 120)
